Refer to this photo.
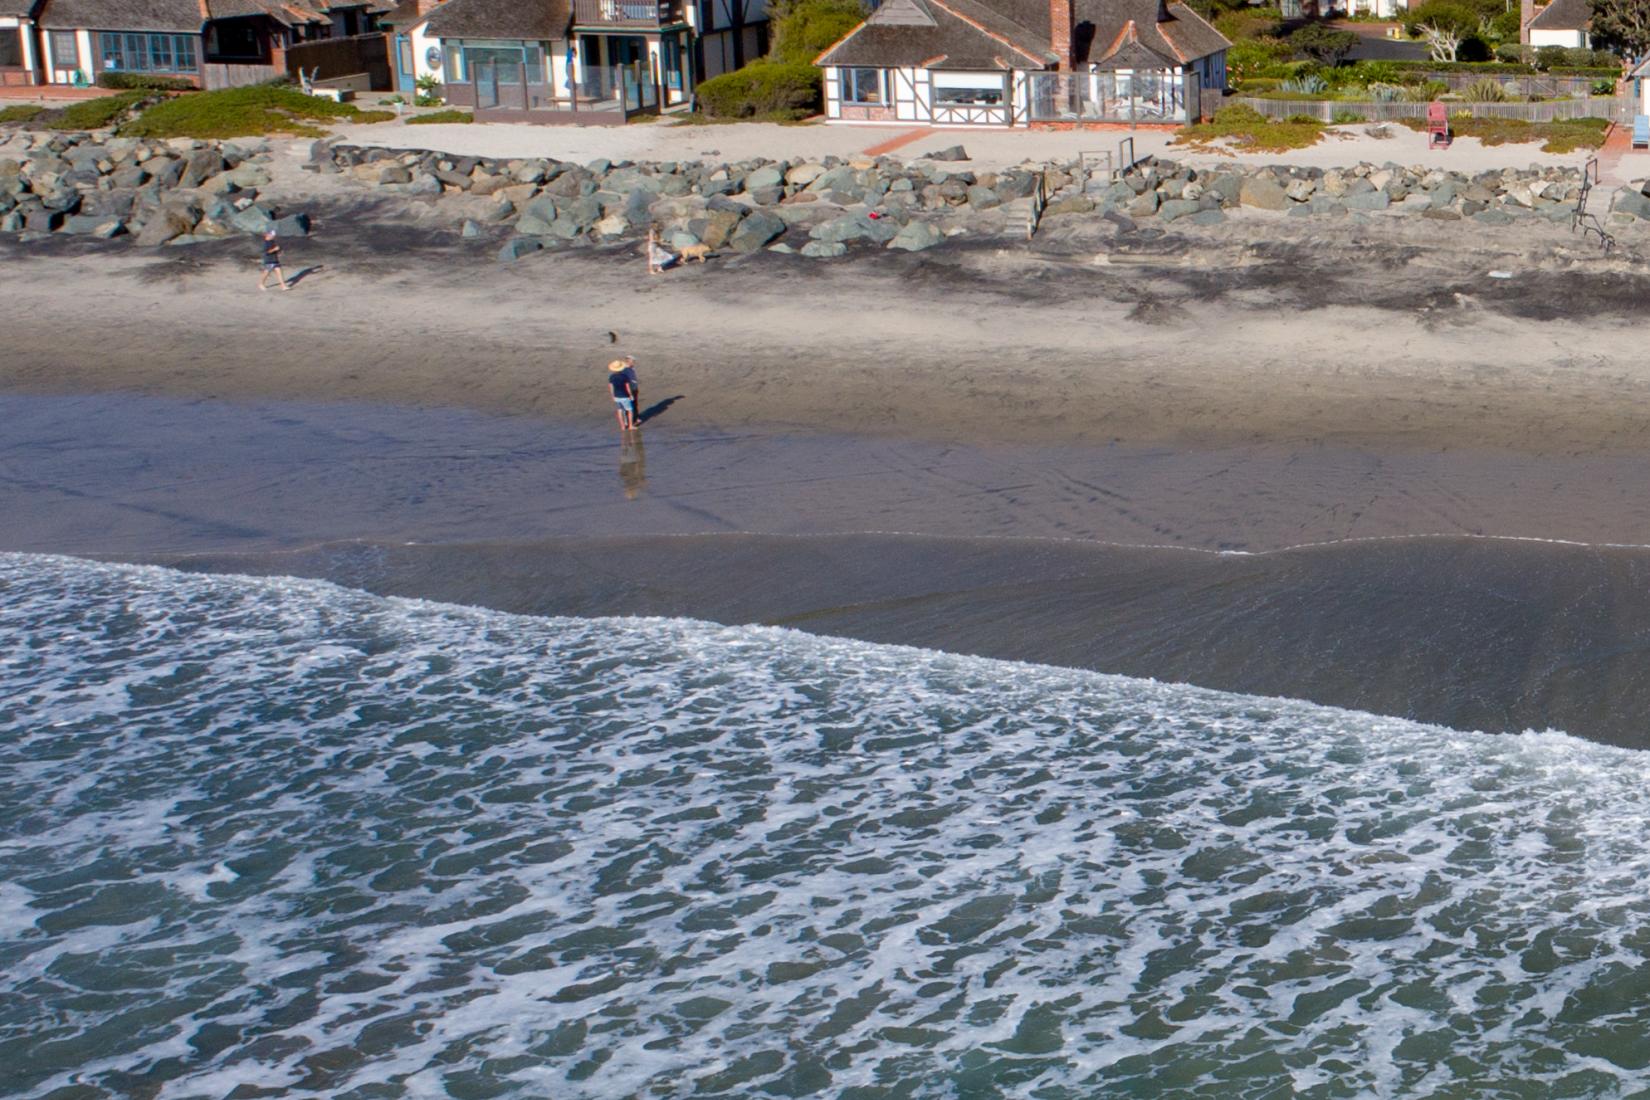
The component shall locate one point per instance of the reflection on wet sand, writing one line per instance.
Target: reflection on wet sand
(632, 467)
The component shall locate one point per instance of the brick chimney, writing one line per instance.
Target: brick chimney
(1059, 31)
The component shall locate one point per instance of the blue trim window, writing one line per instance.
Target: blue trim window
(147, 53)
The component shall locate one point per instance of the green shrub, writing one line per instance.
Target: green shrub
(1267, 58)
(244, 112)
(429, 92)
(1344, 118)
(1548, 56)
(1486, 90)
(143, 82)
(437, 117)
(23, 112)
(762, 88)
(1322, 43)
(803, 29)
(94, 114)
(1305, 85)
(1250, 131)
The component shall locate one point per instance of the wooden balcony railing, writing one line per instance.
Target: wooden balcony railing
(626, 13)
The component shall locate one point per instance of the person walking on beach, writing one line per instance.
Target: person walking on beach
(624, 395)
(272, 262)
(629, 372)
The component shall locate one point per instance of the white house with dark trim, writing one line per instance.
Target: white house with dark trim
(1565, 23)
(1024, 63)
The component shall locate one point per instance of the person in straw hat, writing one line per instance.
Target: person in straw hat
(624, 394)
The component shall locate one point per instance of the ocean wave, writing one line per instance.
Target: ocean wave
(275, 832)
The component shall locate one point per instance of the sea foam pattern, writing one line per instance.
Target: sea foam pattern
(279, 834)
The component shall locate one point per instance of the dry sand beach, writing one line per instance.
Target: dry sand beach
(1264, 386)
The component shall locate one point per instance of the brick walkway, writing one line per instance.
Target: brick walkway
(899, 142)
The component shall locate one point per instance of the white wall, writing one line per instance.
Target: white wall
(1570, 39)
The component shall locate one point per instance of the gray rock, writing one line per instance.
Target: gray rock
(200, 166)
(517, 247)
(42, 219)
(1263, 193)
(1328, 204)
(1493, 217)
(1629, 201)
(394, 173)
(824, 250)
(983, 198)
(1070, 204)
(764, 178)
(293, 225)
(916, 236)
(471, 229)
(1367, 200)
(1177, 208)
(254, 219)
(12, 222)
(1216, 216)
(93, 225)
(757, 229)
(952, 153)
(1441, 213)
(424, 184)
(164, 225)
(1144, 205)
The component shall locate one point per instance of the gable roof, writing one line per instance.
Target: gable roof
(540, 19)
(945, 34)
(1173, 33)
(187, 16)
(1564, 15)
(23, 8)
(293, 13)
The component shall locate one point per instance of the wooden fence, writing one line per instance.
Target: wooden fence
(216, 76)
(1327, 109)
(336, 57)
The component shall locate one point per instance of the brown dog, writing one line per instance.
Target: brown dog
(700, 252)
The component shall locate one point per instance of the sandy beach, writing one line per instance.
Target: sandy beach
(1371, 397)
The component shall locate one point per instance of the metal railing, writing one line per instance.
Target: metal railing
(626, 13)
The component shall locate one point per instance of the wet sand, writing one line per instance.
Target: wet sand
(1052, 452)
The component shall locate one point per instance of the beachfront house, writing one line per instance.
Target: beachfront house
(1025, 63)
(414, 53)
(586, 60)
(1561, 23)
(211, 43)
(19, 43)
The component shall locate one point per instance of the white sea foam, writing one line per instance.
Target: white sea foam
(274, 832)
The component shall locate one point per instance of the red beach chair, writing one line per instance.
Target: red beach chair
(1437, 126)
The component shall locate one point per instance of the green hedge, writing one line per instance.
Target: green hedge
(437, 118)
(1502, 68)
(762, 88)
(143, 82)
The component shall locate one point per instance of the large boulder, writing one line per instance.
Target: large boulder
(764, 178)
(951, 153)
(200, 166)
(824, 250)
(93, 225)
(1629, 201)
(392, 173)
(720, 226)
(1368, 200)
(293, 225)
(163, 225)
(1177, 208)
(1263, 193)
(757, 229)
(916, 236)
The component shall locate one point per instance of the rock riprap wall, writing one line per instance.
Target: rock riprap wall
(160, 192)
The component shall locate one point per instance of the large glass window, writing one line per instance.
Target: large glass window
(968, 89)
(862, 86)
(504, 62)
(147, 53)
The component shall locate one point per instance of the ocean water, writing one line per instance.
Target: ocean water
(266, 837)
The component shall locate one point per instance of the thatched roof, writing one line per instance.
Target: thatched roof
(944, 34)
(527, 19)
(1563, 15)
(187, 16)
(1173, 33)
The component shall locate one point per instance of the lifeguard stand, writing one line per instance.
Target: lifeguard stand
(1437, 126)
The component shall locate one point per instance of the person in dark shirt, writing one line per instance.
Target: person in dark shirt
(624, 394)
(629, 372)
(272, 262)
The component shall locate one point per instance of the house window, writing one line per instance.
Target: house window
(11, 48)
(147, 53)
(862, 86)
(234, 40)
(968, 89)
(65, 52)
(504, 62)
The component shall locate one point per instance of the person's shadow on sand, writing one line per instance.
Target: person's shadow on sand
(304, 274)
(658, 408)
